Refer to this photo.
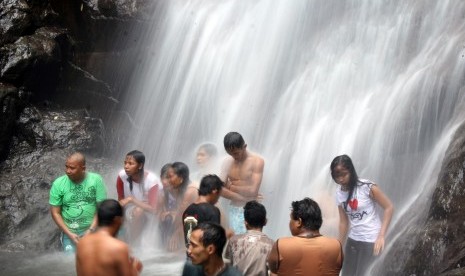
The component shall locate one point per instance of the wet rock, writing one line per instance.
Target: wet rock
(21, 17)
(34, 61)
(80, 89)
(43, 138)
(434, 242)
(15, 19)
(10, 107)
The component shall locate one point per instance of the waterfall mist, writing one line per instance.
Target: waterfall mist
(303, 82)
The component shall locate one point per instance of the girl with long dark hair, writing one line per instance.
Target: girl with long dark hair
(358, 217)
(138, 193)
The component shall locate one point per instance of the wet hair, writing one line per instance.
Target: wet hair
(209, 183)
(255, 214)
(345, 161)
(233, 140)
(181, 170)
(212, 234)
(107, 211)
(164, 170)
(140, 159)
(309, 212)
(209, 148)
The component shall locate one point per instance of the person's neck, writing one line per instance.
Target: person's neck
(80, 179)
(309, 233)
(107, 230)
(202, 199)
(258, 229)
(136, 178)
(214, 266)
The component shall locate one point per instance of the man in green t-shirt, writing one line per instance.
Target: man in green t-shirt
(73, 201)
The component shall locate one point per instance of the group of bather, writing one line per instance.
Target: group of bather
(181, 205)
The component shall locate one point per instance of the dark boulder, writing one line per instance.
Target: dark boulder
(433, 243)
(42, 140)
(21, 17)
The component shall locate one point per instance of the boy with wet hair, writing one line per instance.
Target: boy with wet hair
(248, 252)
(205, 251)
(242, 173)
(204, 209)
(100, 253)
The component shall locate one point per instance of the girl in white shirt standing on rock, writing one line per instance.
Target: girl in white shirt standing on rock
(359, 220)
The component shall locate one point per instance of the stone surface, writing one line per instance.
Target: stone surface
(434, 243)
(43, 140)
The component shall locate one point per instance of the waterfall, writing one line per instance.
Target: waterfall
(303, 82)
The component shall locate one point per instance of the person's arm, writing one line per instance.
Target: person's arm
(273, 258)
(93, 226)
(56, 215)
(251, 190)
(343, 225)
(227, 193)
(151, 206)
(120, 188)
(126, 265)
(386, 204)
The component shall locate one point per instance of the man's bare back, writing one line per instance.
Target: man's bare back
(100, 254)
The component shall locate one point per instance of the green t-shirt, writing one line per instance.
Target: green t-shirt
(78, 202)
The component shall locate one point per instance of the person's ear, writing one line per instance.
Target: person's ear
(211, 249)
(299, 224)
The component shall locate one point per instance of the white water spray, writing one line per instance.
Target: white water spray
(305, 81)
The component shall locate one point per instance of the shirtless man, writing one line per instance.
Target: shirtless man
(100, 253)
(242, 173)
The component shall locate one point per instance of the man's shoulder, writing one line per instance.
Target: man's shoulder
(256, 159)
(60, 183)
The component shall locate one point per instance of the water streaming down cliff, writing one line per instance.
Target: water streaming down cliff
(304, 81)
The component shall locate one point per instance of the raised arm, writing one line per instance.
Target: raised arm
(386, 204)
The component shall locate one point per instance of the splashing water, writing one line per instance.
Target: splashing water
(305, 81)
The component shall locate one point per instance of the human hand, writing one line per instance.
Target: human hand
(379, 246)
(136, 264)
(126, 201)
(74, 237)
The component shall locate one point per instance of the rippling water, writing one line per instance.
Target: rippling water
(27, 264)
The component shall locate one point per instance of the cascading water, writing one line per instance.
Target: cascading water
(304, 81)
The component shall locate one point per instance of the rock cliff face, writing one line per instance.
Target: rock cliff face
(60, 81)
(434, 243)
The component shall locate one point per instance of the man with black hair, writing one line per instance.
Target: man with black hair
(100, 253)
(205, 250)
(242, 173)
(248, 252)
(307, 252)
(204, 209)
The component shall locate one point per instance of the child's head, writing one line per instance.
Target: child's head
(343, 170)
